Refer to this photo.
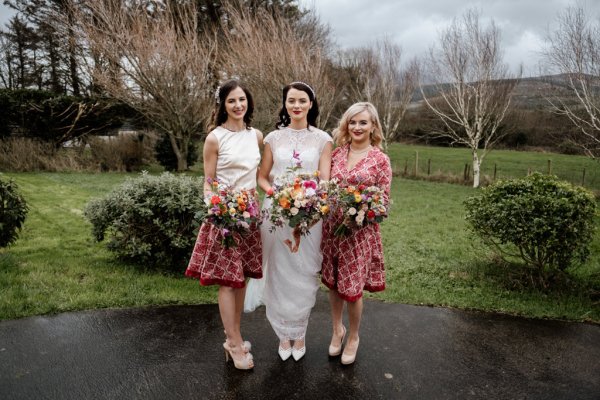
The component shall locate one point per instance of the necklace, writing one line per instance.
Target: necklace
(360, 151)
(234, 130)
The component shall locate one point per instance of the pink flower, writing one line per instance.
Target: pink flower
(310, 184)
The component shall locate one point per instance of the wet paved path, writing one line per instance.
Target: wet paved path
(406, 352)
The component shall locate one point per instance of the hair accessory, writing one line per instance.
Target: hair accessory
(218, 100)
(308, 86)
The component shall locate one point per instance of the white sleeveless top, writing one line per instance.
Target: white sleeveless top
(238, 157)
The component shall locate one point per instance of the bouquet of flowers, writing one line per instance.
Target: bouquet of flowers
(300, 200)
(230, 210)
(361, 205)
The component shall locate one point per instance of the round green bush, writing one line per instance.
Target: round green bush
(150, 219)
(13, 210)
(546, 222)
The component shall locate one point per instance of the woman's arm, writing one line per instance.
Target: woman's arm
(325, 162)
(265, 168)
(384, 180)
(210, 153)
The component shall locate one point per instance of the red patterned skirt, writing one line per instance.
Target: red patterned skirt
(352, 263)
(213, 264)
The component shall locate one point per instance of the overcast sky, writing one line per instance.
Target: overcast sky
(415, 24)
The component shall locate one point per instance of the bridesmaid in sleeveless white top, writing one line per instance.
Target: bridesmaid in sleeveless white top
(291, 277)
(231, 155)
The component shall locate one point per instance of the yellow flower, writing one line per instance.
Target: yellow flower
(232, 211)
(357, 197)
(324, 209)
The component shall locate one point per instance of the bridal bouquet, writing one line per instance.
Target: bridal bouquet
(361, 205)
(300, 200)
(230, 210)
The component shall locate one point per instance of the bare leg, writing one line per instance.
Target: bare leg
(228, 311)
(240, 294)
(354, 315)
(337, 308)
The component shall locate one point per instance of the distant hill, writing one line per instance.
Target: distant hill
(529, 93)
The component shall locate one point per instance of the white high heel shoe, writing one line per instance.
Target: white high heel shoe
(298, 353)
(284, 353)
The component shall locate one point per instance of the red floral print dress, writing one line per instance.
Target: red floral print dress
(355, 262)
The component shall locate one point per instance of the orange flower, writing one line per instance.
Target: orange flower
(324, 209)
(284, 202)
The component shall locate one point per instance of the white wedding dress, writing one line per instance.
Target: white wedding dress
(290, 280)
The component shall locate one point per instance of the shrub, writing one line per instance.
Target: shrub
(545, 222)
(123, 152)
(23, 154)
(150, 219)
(13, 210)
(166, 156)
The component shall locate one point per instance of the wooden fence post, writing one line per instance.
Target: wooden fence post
(494, 178)
(549, 167)
(583, 178)
(416, 163)
(405, 167)
(428, 166)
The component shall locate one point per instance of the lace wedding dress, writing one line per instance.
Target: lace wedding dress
(290, 282)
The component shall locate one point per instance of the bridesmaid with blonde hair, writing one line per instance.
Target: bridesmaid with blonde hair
(354, 263)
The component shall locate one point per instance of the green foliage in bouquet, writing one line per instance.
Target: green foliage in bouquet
(150, 219)
(13, 210)
(547, 223)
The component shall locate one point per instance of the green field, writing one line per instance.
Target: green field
(508, 163)
(55, 265)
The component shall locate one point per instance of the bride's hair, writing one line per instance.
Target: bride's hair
(313, 113)
(341, 134)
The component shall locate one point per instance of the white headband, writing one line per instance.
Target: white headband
(307, 85)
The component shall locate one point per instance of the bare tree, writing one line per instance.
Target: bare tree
(160, 66)
(573, 50)
(473, 84)
(376, 75)
(268, 51)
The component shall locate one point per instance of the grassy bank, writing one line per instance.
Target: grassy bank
(55, 265)
(508, 163)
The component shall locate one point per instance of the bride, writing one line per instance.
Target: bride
(290, 282)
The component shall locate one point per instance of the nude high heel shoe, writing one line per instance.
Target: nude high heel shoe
(337, 350)
(245, 363)
(347, 357)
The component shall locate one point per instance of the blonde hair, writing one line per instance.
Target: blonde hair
(341, 134)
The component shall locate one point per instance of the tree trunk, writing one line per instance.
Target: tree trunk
(180, 150)
(476, 169)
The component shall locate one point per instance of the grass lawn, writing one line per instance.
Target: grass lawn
(55, 265)
(509, 163)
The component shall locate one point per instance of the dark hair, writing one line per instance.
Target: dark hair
(219, 115)
(313, 113)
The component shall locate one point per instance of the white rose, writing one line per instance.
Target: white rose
(294, 210)
(359, 220)
(352, 211)
(246, 214)
(310, 192)
(297, 203)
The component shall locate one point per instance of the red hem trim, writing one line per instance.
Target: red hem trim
(352, 299)
(222, 282)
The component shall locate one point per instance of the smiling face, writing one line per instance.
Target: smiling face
(360, 127)
(236, 104)
(297, 104)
